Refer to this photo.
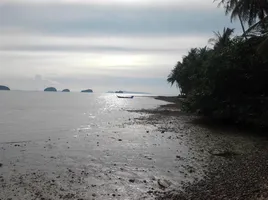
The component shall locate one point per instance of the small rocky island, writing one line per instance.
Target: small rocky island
(2, 87)
(66, 90)
(87, 91)
(120, 91)
(50, 89)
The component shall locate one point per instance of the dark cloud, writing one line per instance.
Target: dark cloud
(87, 49)
(87, 19)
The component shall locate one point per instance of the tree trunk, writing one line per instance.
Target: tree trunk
(242, 25)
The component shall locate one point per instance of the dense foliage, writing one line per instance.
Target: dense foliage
(230, 80)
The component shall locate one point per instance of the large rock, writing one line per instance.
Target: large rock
(87, 91)
(66, 90)
(2, 87)
(50, 89)
(163, 183)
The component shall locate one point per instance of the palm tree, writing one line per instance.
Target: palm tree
(259, 28)
(229, 5)
(173, 76)
(246, 10)
(221, 40)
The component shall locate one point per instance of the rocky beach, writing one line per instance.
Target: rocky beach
(158, 153)
(237, 167)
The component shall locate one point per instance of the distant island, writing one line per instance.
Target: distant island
(2, 87)
(87, 91)
(50, 89)
(119, 91)
(66, 90)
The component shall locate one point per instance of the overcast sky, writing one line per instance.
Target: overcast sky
(101, 44)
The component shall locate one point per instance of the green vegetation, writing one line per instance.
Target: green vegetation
(229, 81)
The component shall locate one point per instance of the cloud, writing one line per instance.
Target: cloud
(11, 40)
(194, 4)
(67, 19)
(75, 43)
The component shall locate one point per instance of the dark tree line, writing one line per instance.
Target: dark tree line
(229, 80)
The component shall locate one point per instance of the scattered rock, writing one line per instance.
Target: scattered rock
(191, 170)
(131, 180)
(223, 153)
(119, 139)
(163, 183)
(1, 164)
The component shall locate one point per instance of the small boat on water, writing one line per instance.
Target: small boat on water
(125, 97)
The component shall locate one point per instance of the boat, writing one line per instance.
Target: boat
(125, 97)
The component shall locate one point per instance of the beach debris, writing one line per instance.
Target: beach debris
(148, 157)
(225, 153)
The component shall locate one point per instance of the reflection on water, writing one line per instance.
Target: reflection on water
(68, 133)
(36, 115)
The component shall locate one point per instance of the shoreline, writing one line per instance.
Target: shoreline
(150, 154)
(230, 175)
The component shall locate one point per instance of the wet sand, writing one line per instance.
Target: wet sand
(151, 154)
